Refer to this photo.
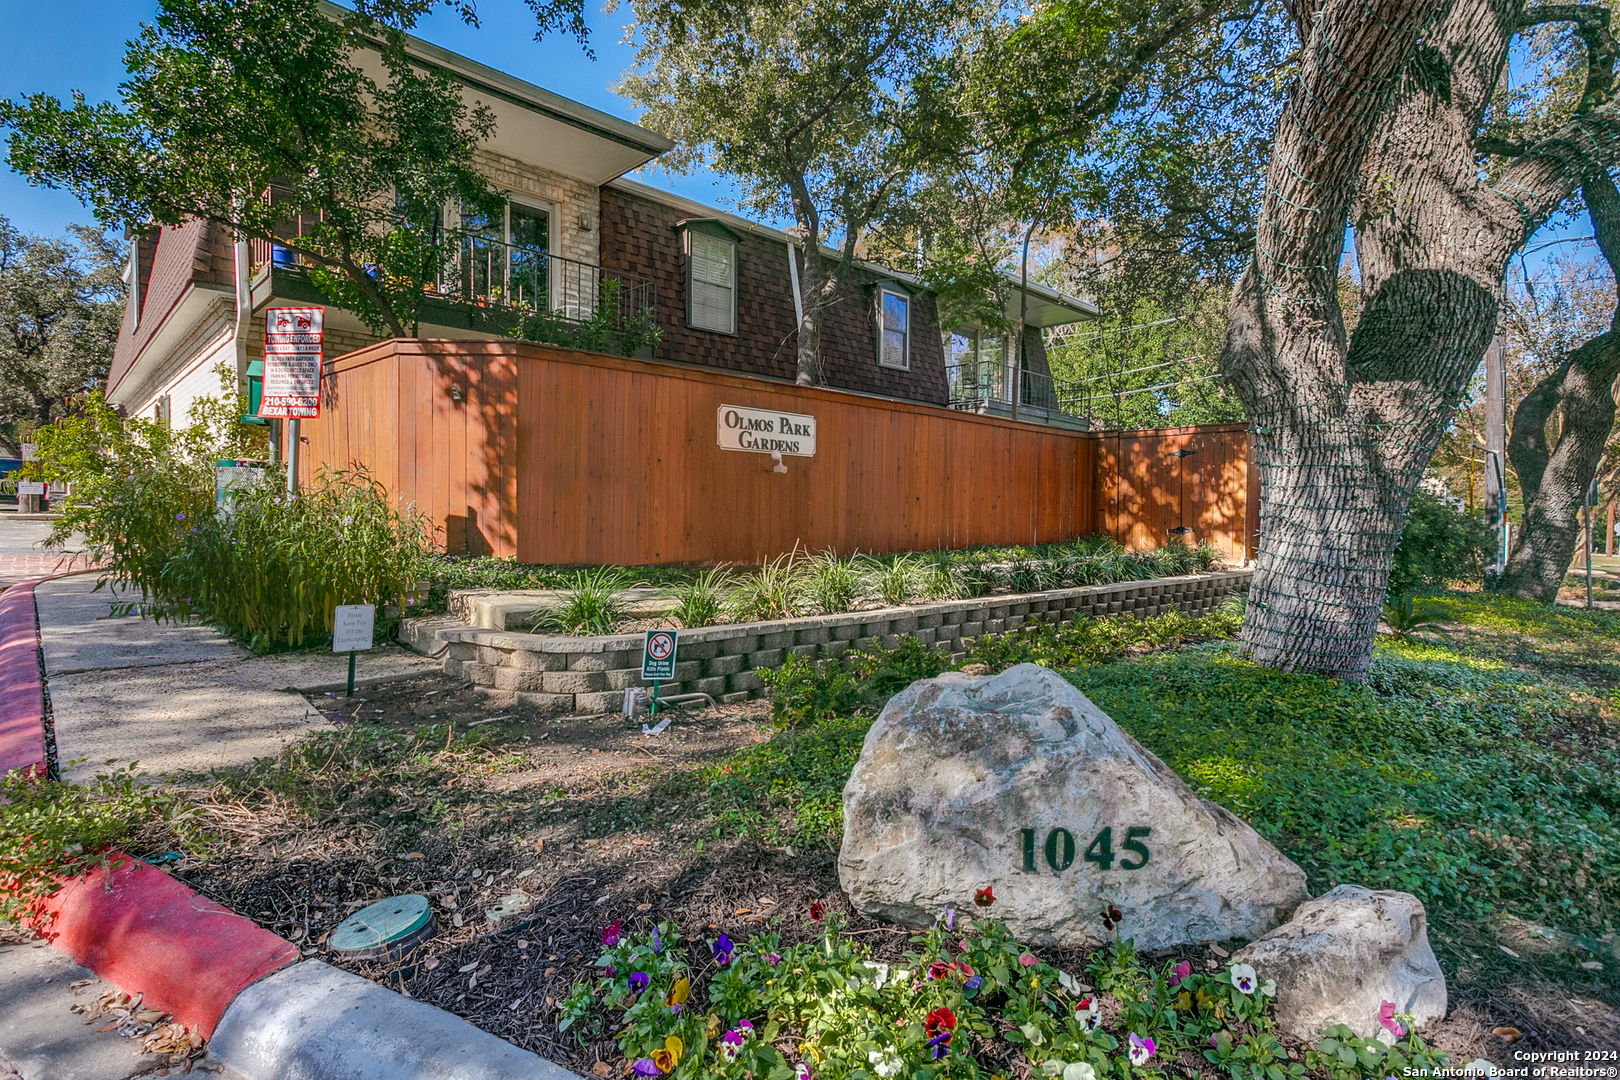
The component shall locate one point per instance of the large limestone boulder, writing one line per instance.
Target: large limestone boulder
(1019, 783)
(1343, 955)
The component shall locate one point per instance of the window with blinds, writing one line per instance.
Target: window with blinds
(711, 283)
(894, 329)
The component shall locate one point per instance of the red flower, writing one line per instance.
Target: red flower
(984, 897)
(818, 910)
(941, 1019)
(938, 969)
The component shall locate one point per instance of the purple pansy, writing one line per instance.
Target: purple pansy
(644, 1067)
(638, 981)
(773, 958)
(722, 950)
(610, 934)
(1180, 971)
(1141, 1048)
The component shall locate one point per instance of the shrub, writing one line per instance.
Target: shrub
(607, 329)
(1438, 545)
(805, 690)
(886, 672)
(590, 605)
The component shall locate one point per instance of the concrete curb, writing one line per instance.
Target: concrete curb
(313, 1021)
(22, 690)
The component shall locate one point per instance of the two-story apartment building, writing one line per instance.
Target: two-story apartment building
(724, 288)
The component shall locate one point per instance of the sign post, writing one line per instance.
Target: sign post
(352, 626)
(292, 373)
(658, 662)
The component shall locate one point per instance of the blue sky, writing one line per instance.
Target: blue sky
(68, 45)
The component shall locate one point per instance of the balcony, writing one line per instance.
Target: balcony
(986, 386)
(487, 284)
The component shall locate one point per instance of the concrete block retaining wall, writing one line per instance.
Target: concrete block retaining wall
(589, 674)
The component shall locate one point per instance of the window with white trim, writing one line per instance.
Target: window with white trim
(894, 329)
(711, 282)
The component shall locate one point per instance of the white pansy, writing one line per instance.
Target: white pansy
(1033, 1033)
(1079, 1070)
(886, 1063)
(1052, 1066)
(880, 973)
(1479, 1067)
(1244, 978)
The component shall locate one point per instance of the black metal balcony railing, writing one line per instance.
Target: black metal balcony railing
(489, 273)
(976, 384)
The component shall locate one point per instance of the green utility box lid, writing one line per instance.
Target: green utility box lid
(389, 928)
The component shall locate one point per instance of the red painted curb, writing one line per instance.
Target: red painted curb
(146, 933)
(22, 695)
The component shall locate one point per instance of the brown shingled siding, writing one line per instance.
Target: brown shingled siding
(639, 237)
(179, 250)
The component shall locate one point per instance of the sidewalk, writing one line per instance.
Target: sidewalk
(175, 698)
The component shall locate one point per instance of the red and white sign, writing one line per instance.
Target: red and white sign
(292, 363)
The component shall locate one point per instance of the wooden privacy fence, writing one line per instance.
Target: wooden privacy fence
(566, 457)
(1193, 482)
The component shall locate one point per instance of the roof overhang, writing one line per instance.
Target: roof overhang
(533, 124)
(179, 322)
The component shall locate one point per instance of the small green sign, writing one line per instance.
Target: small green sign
(658, 655)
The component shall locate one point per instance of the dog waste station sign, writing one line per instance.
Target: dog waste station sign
(765, 431)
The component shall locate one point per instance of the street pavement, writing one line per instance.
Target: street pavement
(23, 554)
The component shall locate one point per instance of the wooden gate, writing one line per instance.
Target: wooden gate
(1191, 482)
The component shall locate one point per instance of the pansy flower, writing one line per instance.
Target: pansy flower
(886, 1063)
(610, 934)
(638, 981)
(1112, 917)
(940, 1045)
(972, 982)
(670, 1056)
(644, 1067)
(1180, 971)
(773, 958)
(818, 910)
(984, 897)
(1027, 960)
(1141, 1048)
(722, 950)
(1089, 1013)
(731, 1042)
(801, 1071)
(1079, 1070)
(1244, 978)
(678, 994)
(1386, 1017)
(937, 970)
(940, 1019)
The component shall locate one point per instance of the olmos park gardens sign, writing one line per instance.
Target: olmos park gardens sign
(765, 431)
(1020, 783)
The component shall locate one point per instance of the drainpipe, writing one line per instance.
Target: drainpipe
(1023, 312)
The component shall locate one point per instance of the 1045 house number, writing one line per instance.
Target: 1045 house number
(1059, 849)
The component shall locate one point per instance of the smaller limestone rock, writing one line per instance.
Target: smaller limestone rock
(1343, 955)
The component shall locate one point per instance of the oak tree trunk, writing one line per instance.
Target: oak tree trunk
(1555, 482)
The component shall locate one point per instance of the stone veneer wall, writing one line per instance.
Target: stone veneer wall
(590, 674)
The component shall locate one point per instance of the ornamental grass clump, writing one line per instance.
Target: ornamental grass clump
(700, 601)
(831, 584)
(965, 1001)
(775, 591)
(591, 604)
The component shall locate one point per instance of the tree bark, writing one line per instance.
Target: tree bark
(1344, 428)
(812, 283)
(1555, 481)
